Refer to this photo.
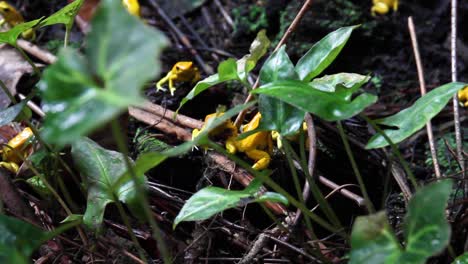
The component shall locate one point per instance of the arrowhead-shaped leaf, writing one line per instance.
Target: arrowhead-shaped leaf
(408, 121)
(12, 35)
(323, 53)
(65, 15)
(103, 169)
(82, 93)
(212, 200)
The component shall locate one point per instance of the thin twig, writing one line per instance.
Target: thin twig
(456, 108)
(225, 14)
(422, 85)
(289, 31)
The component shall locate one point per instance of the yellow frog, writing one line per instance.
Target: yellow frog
(257, 146)
(182, 71)
(14, 153)
(132, 6)
(463, 96)
(382, 7)
(12, 17)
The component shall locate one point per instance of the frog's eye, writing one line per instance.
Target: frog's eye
(6, 9)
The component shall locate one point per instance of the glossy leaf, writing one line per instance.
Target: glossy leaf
(323, 53)
(257, 50)
(82, 93)
(19, 239)
(65, 15)
(426, 228)
(373, 241)
(410, 120)
(329, 106)
(276, 114)
(227, 71)
(102, 168)
(212, 200)
(12, 35)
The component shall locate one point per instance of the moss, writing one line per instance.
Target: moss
(249, 19)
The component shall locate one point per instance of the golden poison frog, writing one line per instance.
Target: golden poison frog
(132, 6)
(463, 96)
(182, 71)
(382, 7)
(257, 146)
(14, 152)
(12, 17)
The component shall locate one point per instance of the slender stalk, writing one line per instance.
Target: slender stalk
(297, 184)
(422, 86)
(324, 205)
(26, 57)
(140, 192)
(126, 221)
(273, 185)
(357, 173)
(395, 151)
(456, 107)
(67, 36)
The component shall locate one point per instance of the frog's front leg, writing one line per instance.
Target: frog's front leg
(2, 22)
(262, 159)
(231, 145)
(171, 86)
(160, 83)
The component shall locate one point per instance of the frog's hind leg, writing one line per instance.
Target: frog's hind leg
(262, 158)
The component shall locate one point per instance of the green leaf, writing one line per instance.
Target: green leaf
(82, 93)
(19, 239)
(258, 49)
(276, 114)
(102, 169)
(212, 200)
(227, 71)
(323, 53)
(408, 121)
(65, 15)
(426, 229)
(351, 81)
(9, 114)
(329, 106)
(463, 259)
(12, 35)
(372, 241)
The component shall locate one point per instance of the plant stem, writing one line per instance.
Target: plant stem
(126, 221)
(273, 185)
(140, 191)
(395, 151)
(324, 205)
(357, 173)
(297, 185)
(26, 57)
